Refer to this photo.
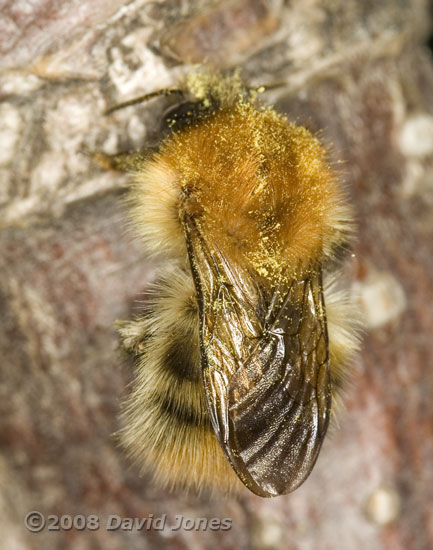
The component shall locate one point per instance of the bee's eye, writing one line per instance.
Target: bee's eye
(178, 116)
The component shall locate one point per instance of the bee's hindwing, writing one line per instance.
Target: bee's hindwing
(265, 361)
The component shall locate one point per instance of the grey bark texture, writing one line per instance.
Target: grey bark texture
(359, 72)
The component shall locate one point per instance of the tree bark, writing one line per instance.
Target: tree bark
(359, 73)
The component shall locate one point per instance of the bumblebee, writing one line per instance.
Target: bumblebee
(243, 344)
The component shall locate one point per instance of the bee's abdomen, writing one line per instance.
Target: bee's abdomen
(181, 358)
(180, 411)
(167, 426)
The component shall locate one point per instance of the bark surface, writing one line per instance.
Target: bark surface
(358, 72)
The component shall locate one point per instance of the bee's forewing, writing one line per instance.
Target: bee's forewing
(265, 368)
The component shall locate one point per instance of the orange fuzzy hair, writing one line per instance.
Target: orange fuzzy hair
(259, 185)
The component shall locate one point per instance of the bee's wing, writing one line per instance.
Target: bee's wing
(265, 367)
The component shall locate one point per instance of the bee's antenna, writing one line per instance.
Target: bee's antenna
(142, 98)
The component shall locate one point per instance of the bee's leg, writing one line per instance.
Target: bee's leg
(133, 335)
(131, 161)
(124, 162)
